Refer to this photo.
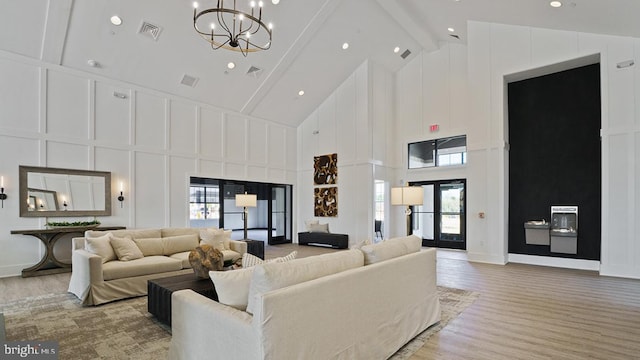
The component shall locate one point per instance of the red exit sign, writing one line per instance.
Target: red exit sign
(434, 127)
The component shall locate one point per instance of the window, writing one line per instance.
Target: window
(204, 202)
(438, 152)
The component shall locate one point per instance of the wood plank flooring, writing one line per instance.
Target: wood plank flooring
(523, 312)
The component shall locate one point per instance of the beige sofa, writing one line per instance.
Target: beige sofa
(166, 253)
(352, 304)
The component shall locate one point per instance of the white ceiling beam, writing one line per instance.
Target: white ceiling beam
(55, 30)
(404, 19)
(290, 55)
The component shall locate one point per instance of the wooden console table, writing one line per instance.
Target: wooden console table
(49, 264)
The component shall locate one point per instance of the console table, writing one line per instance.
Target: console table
(49, 264)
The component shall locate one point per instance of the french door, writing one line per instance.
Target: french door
(441, 219)
(280, 210)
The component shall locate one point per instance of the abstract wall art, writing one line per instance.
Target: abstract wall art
(325, 169)
(326, 201)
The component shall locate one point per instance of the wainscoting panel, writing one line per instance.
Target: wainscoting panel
(150, 190)
(24, 116)
(67, 105)
(277, 152)
(621, 240)
(65, 155)
(257, 142)
(327, 126)
(118, 162)
(211, 132)
(150, 121)
(257, 172)
(212, 169)
(551, 46)
(235, 134)
(179, 171)
(345, 120)
(235, 171)
(112, 114)
(622, 96)
(182, 132)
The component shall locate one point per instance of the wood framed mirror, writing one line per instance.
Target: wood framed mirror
(64, 192)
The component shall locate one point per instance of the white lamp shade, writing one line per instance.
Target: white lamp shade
(246, 200)
(407, 195)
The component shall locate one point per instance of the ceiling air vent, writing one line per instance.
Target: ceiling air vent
(405, 54)
(254, 72)
(150, 30)
(189, 80)
(455, 36)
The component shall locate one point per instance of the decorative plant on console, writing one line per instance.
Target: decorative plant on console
(92, 223)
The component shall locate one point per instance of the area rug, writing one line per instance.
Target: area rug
(125, 330)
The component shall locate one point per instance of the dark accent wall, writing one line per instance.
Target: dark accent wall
(554, 156)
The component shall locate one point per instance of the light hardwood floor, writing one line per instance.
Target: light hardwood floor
(523, 312)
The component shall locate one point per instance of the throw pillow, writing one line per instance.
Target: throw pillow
(249, 260)
(319, 228)
(308, 223)
(232, 286)
(126, 249)
(213, 237)
(100, 246)
(360, 244)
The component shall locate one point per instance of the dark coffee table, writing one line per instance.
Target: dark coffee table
(159, 293)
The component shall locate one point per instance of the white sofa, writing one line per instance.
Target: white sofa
(166, 253)
(372, 303)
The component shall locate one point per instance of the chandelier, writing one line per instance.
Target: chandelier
(233, 29)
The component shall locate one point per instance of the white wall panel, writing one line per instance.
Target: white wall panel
(257, 143)
(150, 121)
(278, 176)
(180, 170)
(409, 103)
(308, 141)
(346, 120)
(277, 141)
(213, 169)
(150, 190)
(67, 105)
(621, 97)
(257, 172)
(211, 132)
(327, 142)
(66, 155)
(119, 164)
(381, 113)
(235, 138)
(292, 150)
(112, 114)
(363, 126)
(436, 91)
(479, 69)
(551, 46)
(183, 127)
(19, 90)
(459, 84)
(235, 171)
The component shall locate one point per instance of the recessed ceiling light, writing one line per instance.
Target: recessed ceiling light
(396, 49)
(301, 92)
(451, 29)
(116, 20)
(345, 46)
(555, 4)
(231, 65)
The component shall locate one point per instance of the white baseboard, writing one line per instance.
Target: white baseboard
(566, 263)
(13, 270)
(485, 258)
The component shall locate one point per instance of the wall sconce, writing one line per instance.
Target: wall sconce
(3, 196)
(246, 200)
(64, 202)
(121, 197)
(407, 196)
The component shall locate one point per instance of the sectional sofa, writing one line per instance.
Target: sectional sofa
(352, 304)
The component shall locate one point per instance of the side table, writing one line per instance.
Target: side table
(159, 293)
(255, 247)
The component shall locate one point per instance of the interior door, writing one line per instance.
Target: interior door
(279, 208)
(441, 219)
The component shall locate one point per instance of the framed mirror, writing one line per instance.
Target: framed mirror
(64, 192)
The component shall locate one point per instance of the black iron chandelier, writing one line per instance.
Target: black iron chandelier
(233, 29)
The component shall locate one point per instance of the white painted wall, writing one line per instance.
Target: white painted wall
(462, 89)
(355, 122)
(151, 141)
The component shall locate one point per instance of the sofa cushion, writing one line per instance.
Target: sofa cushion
(149, 246)
(134, 234)
(230, 255)
(125, 248)
(168, 232)
(179, 243)
(276, 275)
(232, 286)
(139, 267)
(390, 249)
(184, 257)
(101, 246)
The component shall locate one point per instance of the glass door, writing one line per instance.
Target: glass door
(441, 220)
(279, 208)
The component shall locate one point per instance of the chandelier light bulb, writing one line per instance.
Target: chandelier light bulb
(241, 17)
(213, 26)
(195, 4)
(260, 3)
(252, 4)
(270, 26)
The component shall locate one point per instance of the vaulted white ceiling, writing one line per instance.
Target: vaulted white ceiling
(306, 53)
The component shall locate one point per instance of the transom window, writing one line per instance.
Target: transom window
(438, 152)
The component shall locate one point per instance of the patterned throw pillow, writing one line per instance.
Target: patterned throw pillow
(249, 260)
